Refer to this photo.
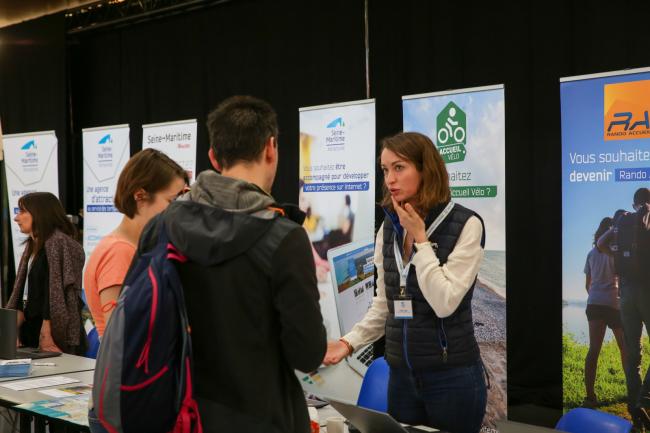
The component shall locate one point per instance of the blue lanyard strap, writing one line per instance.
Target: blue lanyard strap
(397, 251)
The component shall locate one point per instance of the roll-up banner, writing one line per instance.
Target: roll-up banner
(337, 192)
(31, 162)
(467, 127)
(176, 139)
(105, 152)
(605, 246)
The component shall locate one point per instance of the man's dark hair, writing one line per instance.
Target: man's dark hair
(238, 129)
(641, 196)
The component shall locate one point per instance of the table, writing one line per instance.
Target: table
(64, 364)
(67, 365)
(14, 398)
(324, 413)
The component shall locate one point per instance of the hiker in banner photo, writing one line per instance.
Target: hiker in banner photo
(427, 254)
(629, 243)
(602, 310)
(47, 291)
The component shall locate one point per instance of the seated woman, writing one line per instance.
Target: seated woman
(147, 184)
(47, 291)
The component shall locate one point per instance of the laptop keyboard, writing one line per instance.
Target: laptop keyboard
(365, 357)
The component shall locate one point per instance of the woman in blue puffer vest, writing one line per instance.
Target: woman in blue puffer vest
(427, 254)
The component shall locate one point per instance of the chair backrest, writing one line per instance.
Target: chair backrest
(93, 344)
(374, 389)
(582, 420)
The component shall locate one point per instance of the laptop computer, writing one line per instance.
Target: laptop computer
(517, 427)
(8, 335)
(352, 270)
(371, 421)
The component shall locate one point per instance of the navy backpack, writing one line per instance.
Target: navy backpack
(143, 375)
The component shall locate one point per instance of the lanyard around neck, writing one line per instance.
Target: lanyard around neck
(404, 269)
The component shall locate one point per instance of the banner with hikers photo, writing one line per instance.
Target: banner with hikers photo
(468, 128)
(336, 186)
(605, 241)
(105, 153)
(32, 166)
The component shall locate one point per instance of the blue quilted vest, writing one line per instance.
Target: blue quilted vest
(426, 341)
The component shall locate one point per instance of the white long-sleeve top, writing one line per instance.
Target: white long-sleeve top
(442, 286)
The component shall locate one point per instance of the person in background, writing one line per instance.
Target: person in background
(149, 181)
(628, 241)
(602, 309)
(425, 309)
(47, 291)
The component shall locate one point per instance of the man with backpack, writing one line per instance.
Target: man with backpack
(629, 242)
(243, 268)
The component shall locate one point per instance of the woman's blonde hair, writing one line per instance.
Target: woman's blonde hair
(420, 151)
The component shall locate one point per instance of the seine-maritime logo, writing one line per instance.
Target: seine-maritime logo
(105, 151)
(106, 139)
(626, 110)
(335, 138)
(29, 159)
(31, 144)
(336, 123)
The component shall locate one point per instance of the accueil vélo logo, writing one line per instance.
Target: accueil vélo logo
(451, 133)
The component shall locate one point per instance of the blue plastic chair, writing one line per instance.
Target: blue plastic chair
(93, 344)
(582, 420)
(374, 389)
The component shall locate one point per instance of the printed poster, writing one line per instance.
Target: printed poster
(105, 153)
(176, 139)
(31, 162)
(605, 160)
(336, 187)
(467, 127)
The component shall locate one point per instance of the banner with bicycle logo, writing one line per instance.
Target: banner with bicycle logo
(467, 127)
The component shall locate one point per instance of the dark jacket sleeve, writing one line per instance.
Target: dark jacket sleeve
(296, 297)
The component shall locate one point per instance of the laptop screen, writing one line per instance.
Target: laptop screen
(353, 273)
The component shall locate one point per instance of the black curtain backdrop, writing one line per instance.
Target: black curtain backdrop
(181, 67)
(33, 89)
(297, 54)
(33, 94)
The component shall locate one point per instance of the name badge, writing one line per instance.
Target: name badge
(403, 308)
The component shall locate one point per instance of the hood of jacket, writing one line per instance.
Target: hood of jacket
(219, 218)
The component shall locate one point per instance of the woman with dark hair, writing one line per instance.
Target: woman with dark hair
(427, 254)
(47, 291)
(602, 309)
(149, 181)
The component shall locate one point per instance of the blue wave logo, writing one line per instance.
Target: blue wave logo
(31, 144)
(106, 139)
(336, 123)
